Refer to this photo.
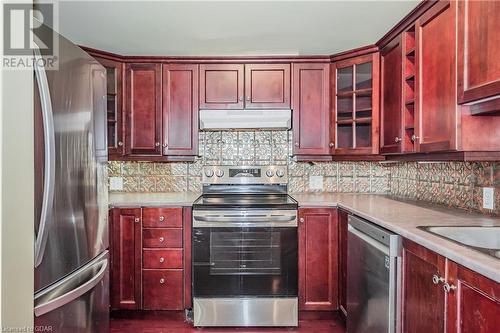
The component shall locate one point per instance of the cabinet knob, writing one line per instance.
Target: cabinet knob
(157, 144)
(437, 279)
(301, 220)
(136, 220)
(296, 144)
(165, 145)
(241, 98)
(162, 259)
(331, 145)
(248, 98)
(449, 287)
(414, 138)
(162, 218)
(161, 239)
(397, 139)
(162, 281)
(120, 143)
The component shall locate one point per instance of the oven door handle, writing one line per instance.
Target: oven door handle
(247, 219)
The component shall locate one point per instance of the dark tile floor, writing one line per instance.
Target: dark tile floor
(173, 322)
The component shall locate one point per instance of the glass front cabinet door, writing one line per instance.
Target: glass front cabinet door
(355, 113)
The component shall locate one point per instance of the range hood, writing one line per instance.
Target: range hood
(214, 120)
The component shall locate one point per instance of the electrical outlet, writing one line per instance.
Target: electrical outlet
(116, 183)
(488, 195)
(316, 183)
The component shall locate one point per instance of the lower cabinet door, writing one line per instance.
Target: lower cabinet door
(318, 261)
(125, 248)
(423, 294)
(473, 301)
(163, 289)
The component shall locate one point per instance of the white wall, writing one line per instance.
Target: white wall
(16, 204)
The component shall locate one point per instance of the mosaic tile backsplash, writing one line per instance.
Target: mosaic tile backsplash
(457, 184)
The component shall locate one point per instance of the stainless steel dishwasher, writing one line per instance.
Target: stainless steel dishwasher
(373, 278)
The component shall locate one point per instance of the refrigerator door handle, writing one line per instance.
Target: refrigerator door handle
(50, 160)
(53, 299)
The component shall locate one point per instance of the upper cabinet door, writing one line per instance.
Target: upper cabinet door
(391, 63)
(221, 86)
(114, 97)
(436, 102)
(478, 50)
(355, 105)
(267, 86)
(311, 109)
(143, 109)
(180, 109)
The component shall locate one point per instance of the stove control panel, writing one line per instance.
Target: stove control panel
(264, 174)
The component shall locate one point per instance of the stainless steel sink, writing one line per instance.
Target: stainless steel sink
(484, 239)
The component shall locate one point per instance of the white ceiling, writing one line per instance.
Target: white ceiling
(229, 27)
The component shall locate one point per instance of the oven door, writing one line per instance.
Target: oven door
(245, 254)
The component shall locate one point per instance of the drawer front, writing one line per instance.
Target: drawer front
(162, 217)
(162, 237)
(162, 289)
(170, 258)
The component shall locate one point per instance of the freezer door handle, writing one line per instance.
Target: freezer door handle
(58, 296)
(50, 161)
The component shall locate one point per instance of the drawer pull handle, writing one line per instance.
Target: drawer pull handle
(162, 239)
(162, 281)
(162, 259)
(162, 218)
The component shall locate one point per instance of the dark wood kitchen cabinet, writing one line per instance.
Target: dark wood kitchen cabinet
(163, 258)
(478, 50)
(126, 249)
(355, 106)
(180, 109)
(267, 86)
(390, 97)
(474, 306)
(114, 100)
(143, 109)
(437, 113)
(311, 109)
(439, 294)
(423, 301)
(343, 222)
(221, 86)
(150, 258)
(249, 86)
(318, 259)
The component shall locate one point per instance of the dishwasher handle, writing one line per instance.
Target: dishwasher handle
(385, 237)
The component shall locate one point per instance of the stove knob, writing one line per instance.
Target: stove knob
(269, 173)
(219, 173)
(209, 173)
(280, 173)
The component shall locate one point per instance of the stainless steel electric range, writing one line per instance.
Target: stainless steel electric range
(245, 248)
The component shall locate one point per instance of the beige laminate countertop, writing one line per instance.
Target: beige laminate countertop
(403, 218)
(132, 200)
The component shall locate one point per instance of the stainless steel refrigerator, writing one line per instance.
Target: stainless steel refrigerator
(71, 229)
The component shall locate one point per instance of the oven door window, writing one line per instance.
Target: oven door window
(244, 262)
